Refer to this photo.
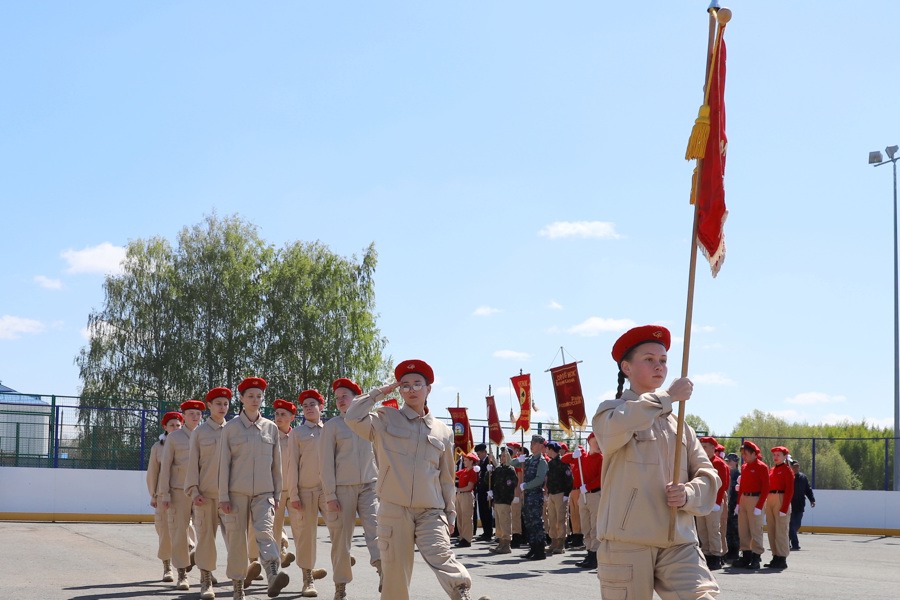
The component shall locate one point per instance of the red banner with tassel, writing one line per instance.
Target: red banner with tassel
(569, 399)
(462, 433)
(522, 385)
(495, 432)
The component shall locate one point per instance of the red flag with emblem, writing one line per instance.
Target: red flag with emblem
(710, 188)
(522, 386)
(462, 433)
(569, 399)
(495, 432)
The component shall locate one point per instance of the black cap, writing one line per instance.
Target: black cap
(480, 447)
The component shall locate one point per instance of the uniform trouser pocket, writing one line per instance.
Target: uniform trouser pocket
(616, 582)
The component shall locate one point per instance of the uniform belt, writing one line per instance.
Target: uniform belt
(776, 491)
(751, 493)
(594, 491)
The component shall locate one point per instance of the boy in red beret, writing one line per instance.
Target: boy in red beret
(709, 527)
(284, 415)
(170, 421)
(753, 487)
(637, 435)
(466, 478)
(778, 508)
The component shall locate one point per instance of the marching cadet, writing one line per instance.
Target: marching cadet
(201, 484)
(415, 482)
(305, 487)
(250, 488)
(636, 433)
(753, 487)
(171, 489)
(732, 536)
(709, 527)
(591, 469)
(559, 484)
(171, 421)
(534, 472)
(285, 412)
(503, 490)
(778, 508)
(482, 487)
(466, 479)
(576, 539)
(348, 471)
(723, 512)
(516, 506)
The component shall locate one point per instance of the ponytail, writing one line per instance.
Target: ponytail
(621, 384)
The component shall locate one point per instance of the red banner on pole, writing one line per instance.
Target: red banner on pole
(462, 433)
(522, 385)
(495, 432)
(569, 399)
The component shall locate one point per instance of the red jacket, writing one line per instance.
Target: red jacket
(755, 479)
(465, 477)
(781, 479)
(724, 475)
(591, 464)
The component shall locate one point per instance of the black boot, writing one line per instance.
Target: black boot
(777, 562)
(539, 553)
(714, 563)
(754, 561)
(569, 538)
(589, 562)
(578, 542)
(744, 561)
(516, 541)
(531, 551)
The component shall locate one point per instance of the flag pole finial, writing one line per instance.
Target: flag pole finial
(723, 15)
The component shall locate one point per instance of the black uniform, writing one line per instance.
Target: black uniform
(732, 536)
(482, 502)
(802, 491)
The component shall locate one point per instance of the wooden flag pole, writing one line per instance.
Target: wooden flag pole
(692, 275)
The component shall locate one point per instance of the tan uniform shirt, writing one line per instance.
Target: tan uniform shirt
(284, 442)
(304, 469)
(344, 458)
(173, 464)
(637, 437)
(249, 458)
(202, 476)
(153, 468)
(415, 454)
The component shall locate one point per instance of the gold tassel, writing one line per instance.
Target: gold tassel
(694, 184)
(696, 147)
(512, 417)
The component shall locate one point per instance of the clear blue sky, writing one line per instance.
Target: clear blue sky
(452, 134)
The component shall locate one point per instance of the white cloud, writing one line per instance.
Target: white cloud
(813, 398)
(555, 305)
(104, 258)
(597, 325)
(788, 415)
(47, 283)
(11, 328)
(884, 422)
(712, 379)
(486, 311)
(836, 419)
(582, 229)
(511, 355)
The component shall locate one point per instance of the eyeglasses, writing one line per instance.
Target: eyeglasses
(408, 388)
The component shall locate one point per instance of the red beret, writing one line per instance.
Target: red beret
(748, 445)
(640, 335)
(415, 366)
(172, 414)
(252, 382)
(282, 403)
(720, 448)
(590, 436)
(310, 394)
(392, 402)
(565, 446)
(781, 449)
(193, 404)
(471, 456)
(219, 392)
(708, 439)
(346, 383)
(513, 445)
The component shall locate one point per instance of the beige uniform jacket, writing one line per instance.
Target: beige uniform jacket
(344, 458)
(284, 442)
(415, 454)
(173, 464)
(303, 471)
(153, 468)
(637, 437)
(202, 476)
(249, 458)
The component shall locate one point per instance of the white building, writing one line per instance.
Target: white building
(24, 428)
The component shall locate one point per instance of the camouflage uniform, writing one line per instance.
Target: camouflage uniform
(533, 511)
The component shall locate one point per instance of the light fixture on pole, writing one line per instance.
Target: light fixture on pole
(876, 159)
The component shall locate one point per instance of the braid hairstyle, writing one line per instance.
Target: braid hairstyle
(622, 377)
(621, 384)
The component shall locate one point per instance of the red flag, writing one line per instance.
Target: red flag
(495, 432)
(710, 196)
(569, 399)
(462, 433)
(522, 386)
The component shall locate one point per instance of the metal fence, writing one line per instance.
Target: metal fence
(81, 433)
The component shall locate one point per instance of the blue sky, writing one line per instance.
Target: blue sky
(519, 166)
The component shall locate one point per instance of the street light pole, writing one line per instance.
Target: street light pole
(876, 159)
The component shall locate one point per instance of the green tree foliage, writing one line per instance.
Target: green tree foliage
(696, 423)
(220, 306)
(847, 455)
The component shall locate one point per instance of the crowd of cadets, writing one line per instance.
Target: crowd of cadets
(241, 476)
